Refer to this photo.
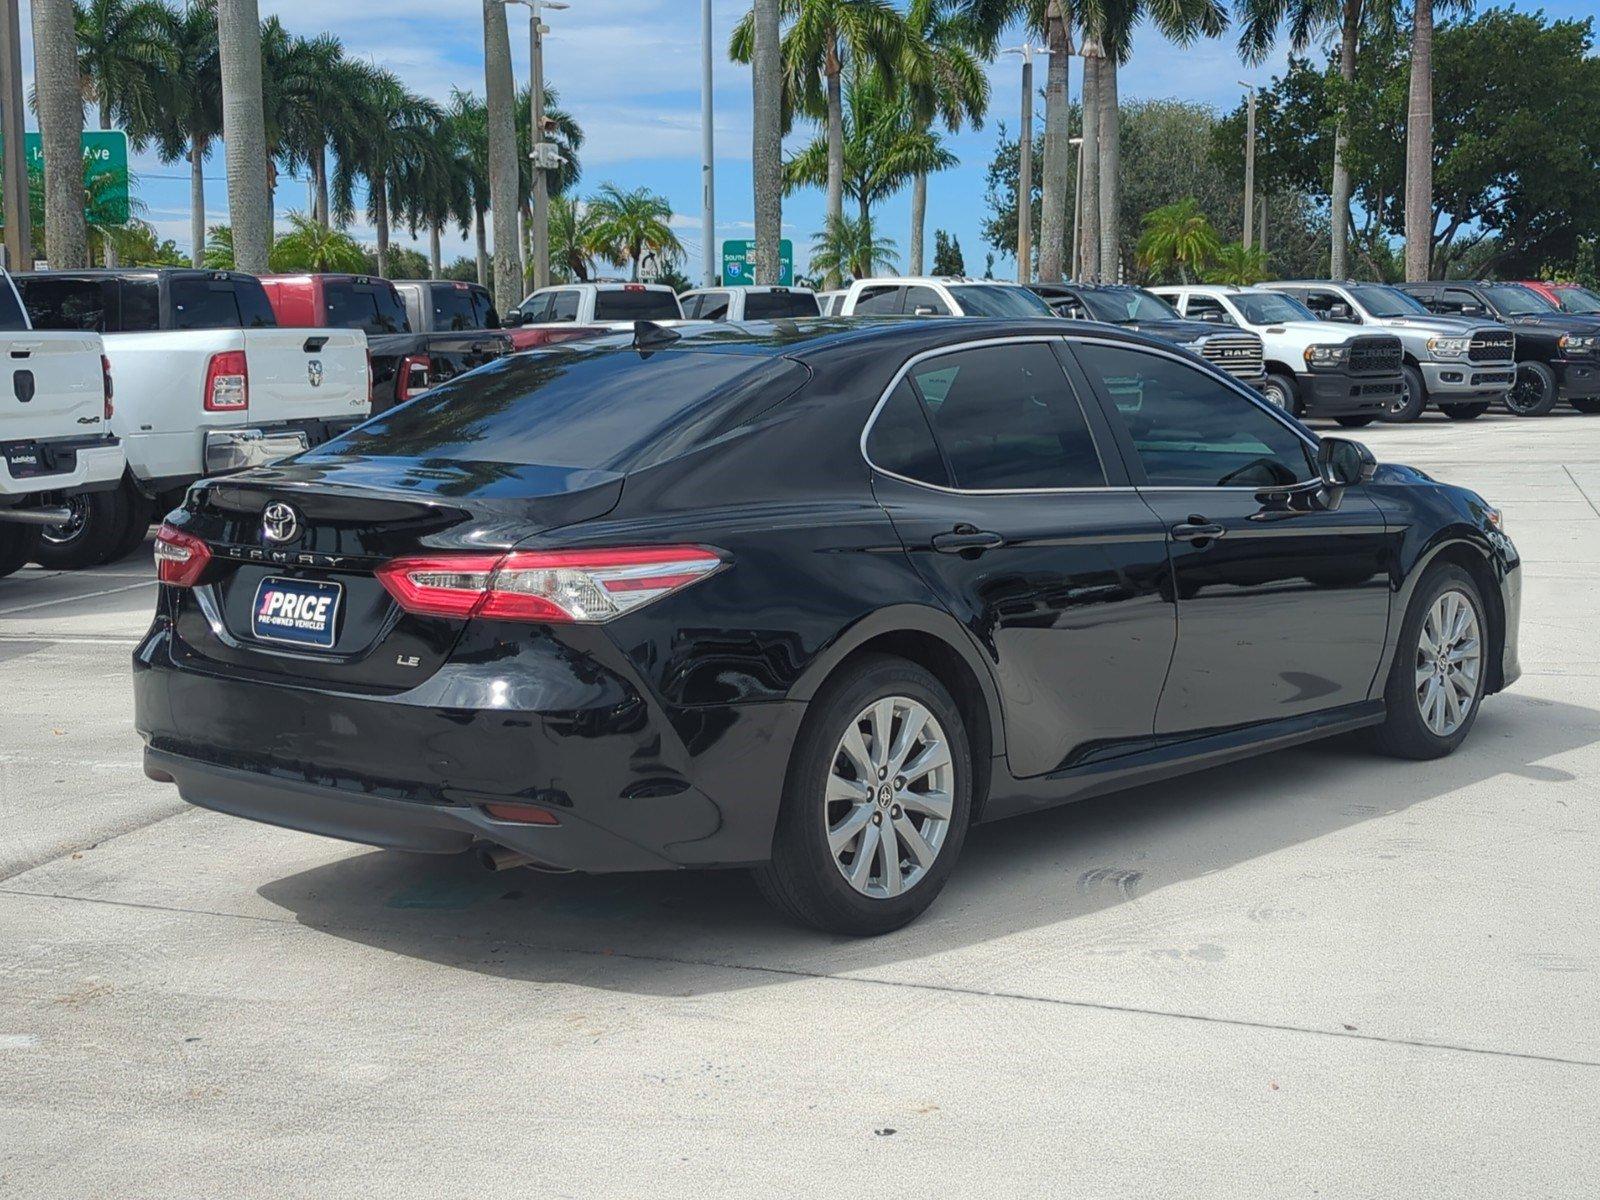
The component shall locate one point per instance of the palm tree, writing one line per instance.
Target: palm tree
(823, 36)
(851, 246)
(60, 104)
(189, 106)
(1178, 237)
(501, 149)
(1238, 266)
(218, 253)
(1419, 146)
(628, 224)
(470, 119)
(244, 132)
(312, 246)
(387, 146)
(767, 144)
(574, 229)
(311, 93)
(946, 83)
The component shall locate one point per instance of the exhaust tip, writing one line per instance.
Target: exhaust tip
(499, 858)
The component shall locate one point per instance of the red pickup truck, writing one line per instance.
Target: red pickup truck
(405, 362)
(1568, 297)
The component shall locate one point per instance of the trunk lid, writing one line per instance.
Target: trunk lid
(306, 374)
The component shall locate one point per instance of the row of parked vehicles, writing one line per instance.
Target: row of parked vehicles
(129, 385)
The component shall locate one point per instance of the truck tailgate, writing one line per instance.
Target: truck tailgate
(52, 386)
(303, 374)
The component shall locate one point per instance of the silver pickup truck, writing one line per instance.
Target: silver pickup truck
(1461, 364)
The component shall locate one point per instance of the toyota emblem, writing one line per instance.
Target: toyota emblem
(280, 522)
(314, 372)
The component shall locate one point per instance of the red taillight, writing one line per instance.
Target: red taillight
(547, 586)
(105, 383)
(181, 557)
(227, 382)
(413, 377)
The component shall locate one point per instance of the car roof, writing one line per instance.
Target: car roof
(946, 280)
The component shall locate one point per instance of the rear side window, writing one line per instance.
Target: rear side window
(708, 306)
(11, 316)
(769, 306)
(590, 409)
(141, 306)
(64, 303)
(901, 441)
(880, 300)
(642, 305)
(1006, 417)
(234, 302)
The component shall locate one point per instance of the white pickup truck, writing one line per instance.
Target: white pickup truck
(750, 302)
(573, 310)
(205, 384)
(55, 427)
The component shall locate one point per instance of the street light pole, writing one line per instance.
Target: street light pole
(708, 197)
(1249, 165)
(19, 230)
(1025, 174)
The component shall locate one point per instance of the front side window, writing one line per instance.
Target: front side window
(925, 302)
(64, 303)
(1190, 430)
(1005, 417)
(1206, 308)
(563, 306)
(878, 300)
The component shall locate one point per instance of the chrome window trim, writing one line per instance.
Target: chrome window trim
(1050, 338)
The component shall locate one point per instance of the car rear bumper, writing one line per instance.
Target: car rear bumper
(1341, 394)
(633, 786)
(1465, 382)
(78, 465)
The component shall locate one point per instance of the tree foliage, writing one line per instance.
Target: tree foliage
(947, 256)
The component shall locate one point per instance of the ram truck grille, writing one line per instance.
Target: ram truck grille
(1375, 354)
(1492, 347)
(1236, 353)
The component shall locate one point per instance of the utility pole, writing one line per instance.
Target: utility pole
(1249, 164)
(708, 190)
(540, 153)
(1025, 174)
(19, 225)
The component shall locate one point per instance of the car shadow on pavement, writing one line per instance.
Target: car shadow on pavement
(695, 932)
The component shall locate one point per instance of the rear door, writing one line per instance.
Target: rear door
(52, 386)
(1282, 586)
(1009, 496)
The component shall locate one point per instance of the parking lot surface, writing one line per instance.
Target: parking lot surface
(1315, 973)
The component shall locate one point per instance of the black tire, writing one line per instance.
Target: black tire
(1280, 392)
(1587, 404)
(17, 544)
(1413, 397)
(1534, 394)
(1404, 733)
(99, 525)
(803, 880)
(140, 517)
(1355, 422)
(1466, 412)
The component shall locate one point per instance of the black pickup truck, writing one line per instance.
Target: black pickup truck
(406, 360)
(1558, 353)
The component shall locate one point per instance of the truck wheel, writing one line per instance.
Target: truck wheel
(1413, 397)
(1279, 391)
(140, 514)
(1534, 393)
(1588, 405)
(17, 544)
(1466, 412)
(99, 523)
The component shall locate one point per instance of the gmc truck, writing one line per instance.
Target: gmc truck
(55, 428)
(1558, 354)
(1235, 351)
(405, 364)
(206, 383)
(1313, 369)
(1461, 365)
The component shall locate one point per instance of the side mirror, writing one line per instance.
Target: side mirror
(1342, 313)
(924, 310)
(1472, 310)
(1344, 463)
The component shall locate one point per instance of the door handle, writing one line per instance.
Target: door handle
(964, 538)
(1197, 529)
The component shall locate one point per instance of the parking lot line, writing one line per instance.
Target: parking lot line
(128, 587)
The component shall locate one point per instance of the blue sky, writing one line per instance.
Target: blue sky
(629, 70)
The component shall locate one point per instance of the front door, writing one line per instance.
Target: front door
(1015, 508)
(1282, 585)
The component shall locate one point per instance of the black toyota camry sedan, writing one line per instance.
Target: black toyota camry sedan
(807, 598)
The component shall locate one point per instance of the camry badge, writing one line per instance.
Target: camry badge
(279, 522)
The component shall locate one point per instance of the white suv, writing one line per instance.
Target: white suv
(941, 296)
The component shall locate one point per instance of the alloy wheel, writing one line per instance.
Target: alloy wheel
(891, 792)
(1526, 393)
(72, 527)
(1449, 658)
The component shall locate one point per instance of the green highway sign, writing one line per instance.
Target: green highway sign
(739, 262)
(105, 173)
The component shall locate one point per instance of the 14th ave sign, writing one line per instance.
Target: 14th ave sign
(105, 173)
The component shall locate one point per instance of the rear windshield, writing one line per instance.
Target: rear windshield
(375, 308)
(461, 306)
(235, 302)
(766, 306)
(56, 303)
(629, 305)
(612, 410)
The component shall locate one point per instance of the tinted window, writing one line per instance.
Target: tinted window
(1517, 300)
(1005, 417)
(199, 302)
(483, 309)
(768, 306)
(353, 305)
(1577, 300)
(976, 300)
(708, 306)
(11, 316)
(884, 299)
(563, 306)
(1204, 308)
(453, 307)
(642, 305)
(1126, 305)
(141, 306)
(1454, 300)
(902, 442)
(536, 308)
(594, 409)
(1190, 430)
(64, 303)
(924, 298)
